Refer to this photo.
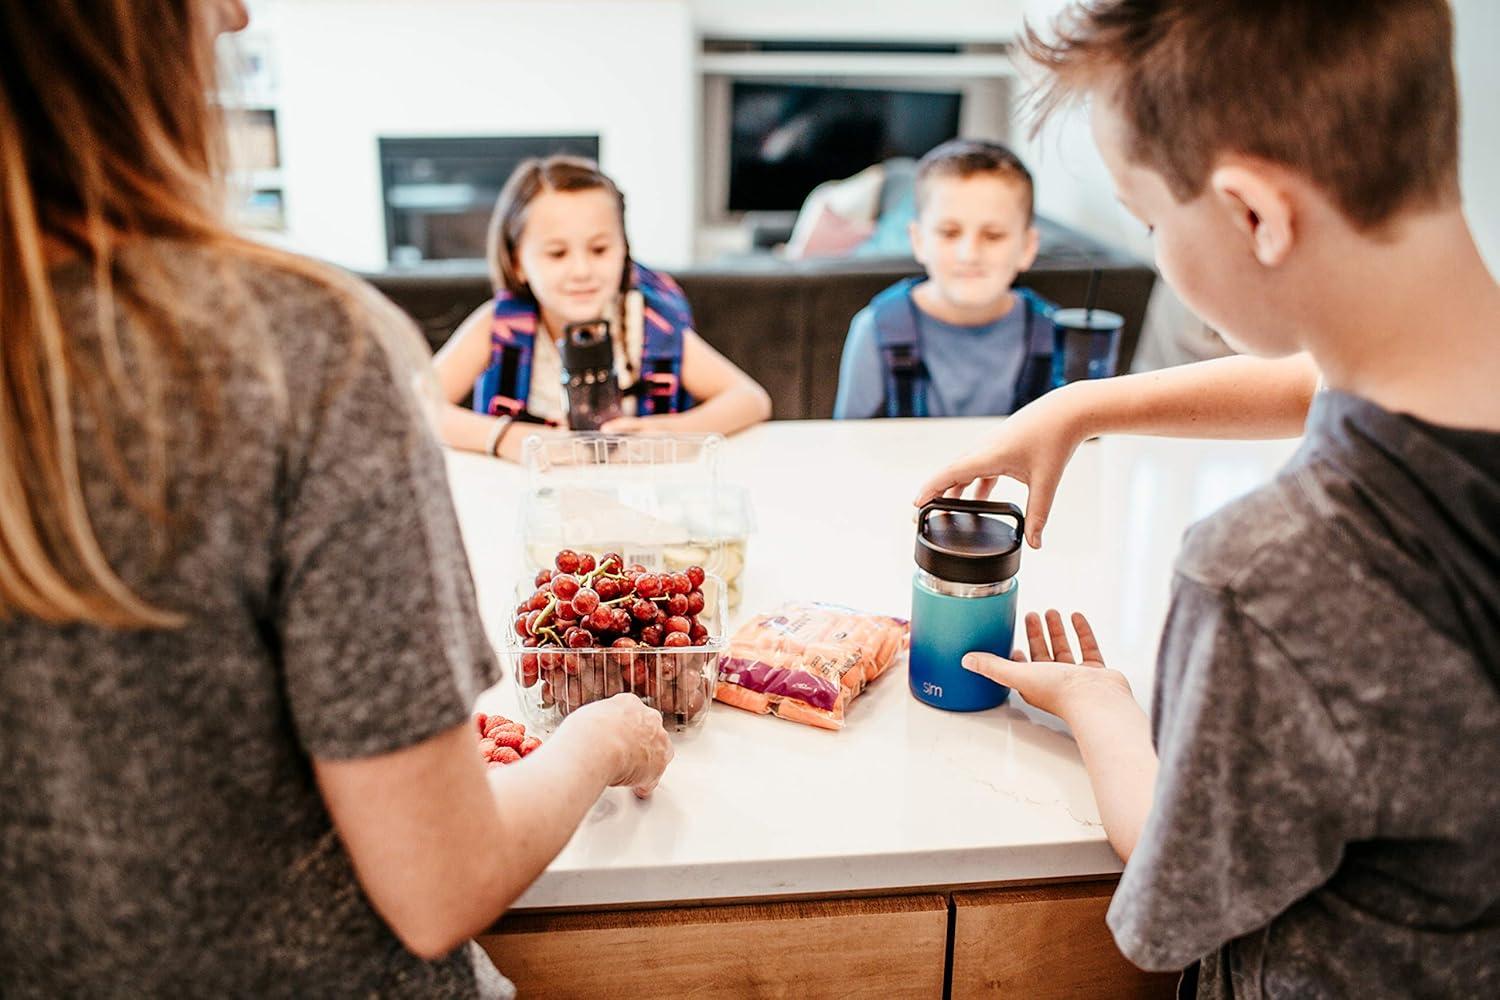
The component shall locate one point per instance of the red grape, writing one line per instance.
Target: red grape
(586, 563)
(565, 586)
(602, 620)
(611, 562)
(621, 621)
(648, 586)
(608, 589)
(676, 639)
(521, 628)
(578, 638)
(586, 600)
(644, 611)
(567, 561)
(652, 635)
(566, 611)
(677, 604)
(695, 576)
(677, 623)
(542, 576)
(678, 583)
(696, 602)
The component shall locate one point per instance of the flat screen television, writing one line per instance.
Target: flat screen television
(786, 139)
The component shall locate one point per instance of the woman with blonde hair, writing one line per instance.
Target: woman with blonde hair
(238, 641)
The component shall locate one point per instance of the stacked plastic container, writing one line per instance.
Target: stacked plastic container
(658, 502)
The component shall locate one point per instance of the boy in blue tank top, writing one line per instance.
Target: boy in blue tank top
(961, 342)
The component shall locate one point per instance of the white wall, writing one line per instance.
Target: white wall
(859, 20)
(1477, 44)
(352, 70)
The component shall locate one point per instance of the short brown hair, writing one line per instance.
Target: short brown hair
(1357, 95)
(968, 157)
(531, 177)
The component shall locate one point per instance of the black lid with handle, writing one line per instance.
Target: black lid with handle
(586, 346)
(968, 541)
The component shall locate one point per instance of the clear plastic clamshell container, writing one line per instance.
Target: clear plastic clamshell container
(656, 500)
(678, 682)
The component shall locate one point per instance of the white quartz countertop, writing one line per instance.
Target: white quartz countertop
(905, 795)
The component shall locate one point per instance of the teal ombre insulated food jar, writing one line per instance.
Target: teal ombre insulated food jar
(963, 599)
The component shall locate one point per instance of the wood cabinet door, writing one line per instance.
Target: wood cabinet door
(1044, 942)
(892, 947)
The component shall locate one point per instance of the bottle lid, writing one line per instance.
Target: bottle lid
(587, 345)
(968, 541)
(1088, 320)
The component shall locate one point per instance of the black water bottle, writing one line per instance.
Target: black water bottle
(590, 389)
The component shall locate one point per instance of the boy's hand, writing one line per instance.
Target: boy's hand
(1051, 680)
(1033, 446)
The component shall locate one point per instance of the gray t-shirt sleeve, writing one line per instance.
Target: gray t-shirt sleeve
(379, 634)
(861, 373)
(1256, 795)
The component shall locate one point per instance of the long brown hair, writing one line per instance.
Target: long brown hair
(110, 139)
(531, 177)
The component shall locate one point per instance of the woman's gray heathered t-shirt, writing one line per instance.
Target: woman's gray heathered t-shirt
(1326, 819)
(161, 833)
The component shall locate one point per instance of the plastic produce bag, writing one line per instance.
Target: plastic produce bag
(806, 661)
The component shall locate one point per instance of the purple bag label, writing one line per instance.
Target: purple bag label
(757, 675)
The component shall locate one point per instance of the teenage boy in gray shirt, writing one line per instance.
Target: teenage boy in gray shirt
(1311, 809)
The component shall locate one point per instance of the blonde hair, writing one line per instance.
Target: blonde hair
(109, 139)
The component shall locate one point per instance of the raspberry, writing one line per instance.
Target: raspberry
(487, 746)
(529, 744)
(508, 738)
(506, 755)
(481, 720)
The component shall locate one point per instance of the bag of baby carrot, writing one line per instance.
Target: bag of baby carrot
(806, 661)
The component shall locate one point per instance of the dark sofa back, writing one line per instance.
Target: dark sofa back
(785, 326)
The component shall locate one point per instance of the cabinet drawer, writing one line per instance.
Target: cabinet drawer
(1044, 942)
(886, 947)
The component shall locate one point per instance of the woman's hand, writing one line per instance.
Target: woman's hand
(1051, 680)
(632, 734)
(1033, 447)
